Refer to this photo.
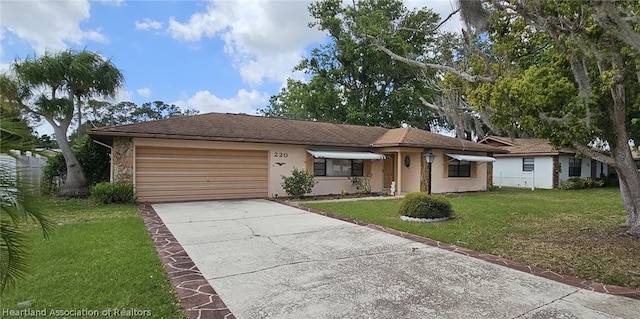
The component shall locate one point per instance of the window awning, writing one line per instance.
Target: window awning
(345, 155)
(472, 158)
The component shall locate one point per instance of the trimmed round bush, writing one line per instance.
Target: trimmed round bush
(421, 205)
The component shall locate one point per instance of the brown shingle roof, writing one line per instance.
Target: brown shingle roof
(249, 128)
(526, 146)
(413, 137)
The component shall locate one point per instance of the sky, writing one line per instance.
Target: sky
(225, 56)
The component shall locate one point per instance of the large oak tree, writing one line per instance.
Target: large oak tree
(349, 81)
(568, 71)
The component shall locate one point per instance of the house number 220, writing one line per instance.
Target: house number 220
(280, 154)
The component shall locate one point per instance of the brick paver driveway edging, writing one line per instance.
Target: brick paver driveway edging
(198, 298)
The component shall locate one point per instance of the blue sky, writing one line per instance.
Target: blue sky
(213, 56)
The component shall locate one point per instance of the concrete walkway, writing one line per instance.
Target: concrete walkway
(267, 260)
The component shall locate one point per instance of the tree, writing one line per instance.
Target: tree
(17, 206)
(156, 111)
(52, 86)
(104, 113)
(349, 81)
(562, 70)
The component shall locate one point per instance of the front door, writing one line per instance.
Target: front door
(389, 170)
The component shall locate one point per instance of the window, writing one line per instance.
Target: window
(319, 167)
(575, 167)
(527, 164)
(337, 167)
(459, 168)
(357, 168)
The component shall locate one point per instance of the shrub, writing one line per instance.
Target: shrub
(421, 205)
(581, 183)
(361, 184)
(54, 173)
(299, 183)
(107, 193)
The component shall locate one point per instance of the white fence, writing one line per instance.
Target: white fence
(524, 181)
(27, 168)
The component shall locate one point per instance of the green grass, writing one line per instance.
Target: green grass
(99, 257)
(574, 232)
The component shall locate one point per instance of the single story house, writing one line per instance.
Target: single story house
(535, 163)
(232, 156)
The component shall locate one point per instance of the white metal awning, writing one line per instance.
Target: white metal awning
(472, 158)
(345, 155)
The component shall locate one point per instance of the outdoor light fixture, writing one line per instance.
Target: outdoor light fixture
(429, 157)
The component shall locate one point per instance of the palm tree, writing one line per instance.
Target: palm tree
(17, 207)
(53, 87)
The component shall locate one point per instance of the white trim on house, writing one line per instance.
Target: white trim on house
(471, 158)
(345, 155)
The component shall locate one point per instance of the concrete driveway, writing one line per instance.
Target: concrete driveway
(267, 260)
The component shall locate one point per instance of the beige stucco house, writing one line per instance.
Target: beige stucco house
(230, 156)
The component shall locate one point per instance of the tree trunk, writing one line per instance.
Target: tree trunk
(75, 185)
(629, 178)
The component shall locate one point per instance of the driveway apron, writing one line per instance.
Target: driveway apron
(268, 260)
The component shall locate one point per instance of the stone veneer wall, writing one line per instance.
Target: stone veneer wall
(122, 159)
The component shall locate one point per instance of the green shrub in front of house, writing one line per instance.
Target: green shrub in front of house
(422, 205)
(362, 184)
(582, 183)
(107, 193)
(299, 183)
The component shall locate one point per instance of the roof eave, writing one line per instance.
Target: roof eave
(218, 138)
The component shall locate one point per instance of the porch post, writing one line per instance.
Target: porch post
(399, 173)
(489, 173)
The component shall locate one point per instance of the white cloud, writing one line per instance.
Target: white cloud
(48, 25)
(265, 39)
(441, 7)
(244, 102)
(5, 67)
(121, 96)
(146, 92)
(115, 3)
(148, 24)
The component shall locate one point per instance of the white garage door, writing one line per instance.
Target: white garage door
(182, 174)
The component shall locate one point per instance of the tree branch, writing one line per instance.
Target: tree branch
(483, 56)
(562, 120)
(622, 29)
(434, 29)
(424, 65)
(594, 154)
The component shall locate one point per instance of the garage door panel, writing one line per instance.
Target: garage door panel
(169, 172)
(185, 166)
(177, 174)
(160, 179)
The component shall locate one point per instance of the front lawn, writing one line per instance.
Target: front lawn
(574, 232)
(100, 258)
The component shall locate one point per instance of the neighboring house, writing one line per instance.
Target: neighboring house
(535, 163)
(225, 156)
